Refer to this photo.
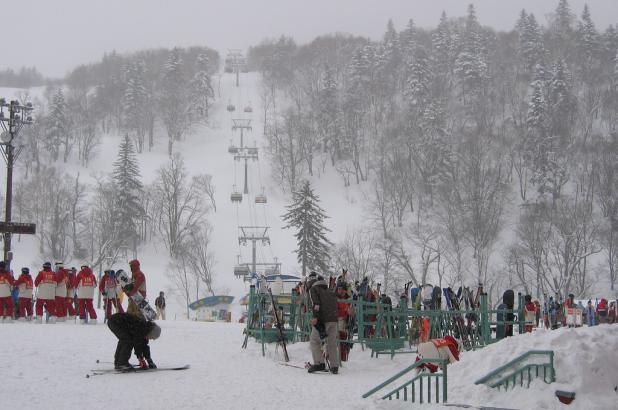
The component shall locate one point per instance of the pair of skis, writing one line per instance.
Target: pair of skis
(100, 372)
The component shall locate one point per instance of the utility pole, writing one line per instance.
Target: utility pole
(11, 126)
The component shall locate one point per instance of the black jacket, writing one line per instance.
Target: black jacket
(324, 302)
(130, 329)
(160, 302)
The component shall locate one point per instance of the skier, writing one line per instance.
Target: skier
(108, 288)
(69, 301)
(160, 306)
(61, 292)
(590, 314)
(24, 284)
(133, 333)
(324, 324)
(85, 284)
(602, 310)
(138, 285)
(529, 314)
(447, 348)
(343, 314)
(6, 299)
(45, 283)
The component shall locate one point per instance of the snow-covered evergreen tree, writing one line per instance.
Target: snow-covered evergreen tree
(202, 93)
(135, 103)
(307, 217)
(58, 125)
(561, 29)
(470, 65)
(530, 43)
(588, 44)
(128, 186)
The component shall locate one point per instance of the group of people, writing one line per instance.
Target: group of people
(63, 293)
(570, 313)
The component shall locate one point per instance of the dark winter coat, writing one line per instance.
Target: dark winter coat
(324, 302)
(160, 302)
(131, 331)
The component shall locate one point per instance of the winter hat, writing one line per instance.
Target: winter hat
(59, 264)
(155, 332)
(25, 270)
(134, 264)
(47, 265)
(2, 265)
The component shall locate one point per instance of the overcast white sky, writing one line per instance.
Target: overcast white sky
(56, 35)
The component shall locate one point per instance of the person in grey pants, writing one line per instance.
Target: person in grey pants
(324, 324)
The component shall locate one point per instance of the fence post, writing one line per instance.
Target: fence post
(292, 320)
(485, 319)
(520, 312)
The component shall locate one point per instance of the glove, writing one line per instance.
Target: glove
(142, 363)
(128, 288)
(104, 293)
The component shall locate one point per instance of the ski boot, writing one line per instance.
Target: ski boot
(320, 367)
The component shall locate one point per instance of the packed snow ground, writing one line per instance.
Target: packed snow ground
(45, 367)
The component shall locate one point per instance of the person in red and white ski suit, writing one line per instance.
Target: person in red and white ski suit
(446, 348)
(109, 289)
(45, 283)
(25, 285)
(6, 300)
(69, 301)
(61, 292)
(86, 284)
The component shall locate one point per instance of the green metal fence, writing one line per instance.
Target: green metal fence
(380, 327)
(522, 370)
(415, 388)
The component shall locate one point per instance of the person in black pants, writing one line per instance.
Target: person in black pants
(133, 333)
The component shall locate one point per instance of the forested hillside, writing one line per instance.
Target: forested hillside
(486, 156)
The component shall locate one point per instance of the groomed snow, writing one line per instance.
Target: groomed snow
(44, 367)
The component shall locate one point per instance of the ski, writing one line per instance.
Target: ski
(306, 366)
(279, 326)
(100, 372)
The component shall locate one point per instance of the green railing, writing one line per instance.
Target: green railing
(520, 370)
(408, 390)
(380, 327)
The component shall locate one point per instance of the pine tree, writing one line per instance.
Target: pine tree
(328, 114)
(126, 177)
(58, 125)
(307, 217)
(561, 29)
(174, 101)
(470, 64)
(418, 78)
(135, 103)
(531, 43)
(202, 92)
(442, 55)
(562, 103)
(588, 43)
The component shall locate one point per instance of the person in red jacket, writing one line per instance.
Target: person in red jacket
(86, 283)
(446, 348)
(69, 301)
(6, 300)
(46, 293)
(529, 314)
(343, 312)
(109, 289)
(139, 285)
(61, 292)
(25, 285)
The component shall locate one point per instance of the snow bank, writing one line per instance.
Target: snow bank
(44, 366)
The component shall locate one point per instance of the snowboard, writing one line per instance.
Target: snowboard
(141, 302)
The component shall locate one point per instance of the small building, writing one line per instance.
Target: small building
(213, 308)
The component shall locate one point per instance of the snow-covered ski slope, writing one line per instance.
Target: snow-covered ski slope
(45, 367)
(205, 151)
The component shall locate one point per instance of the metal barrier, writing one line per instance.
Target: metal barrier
(407, 391)
(523, 370)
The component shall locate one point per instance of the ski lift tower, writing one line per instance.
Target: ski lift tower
(253, 234)
(236, 61)
(243, 152)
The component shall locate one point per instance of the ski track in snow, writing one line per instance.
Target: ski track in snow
(45, 367)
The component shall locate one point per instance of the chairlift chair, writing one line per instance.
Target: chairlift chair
(236, 196)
